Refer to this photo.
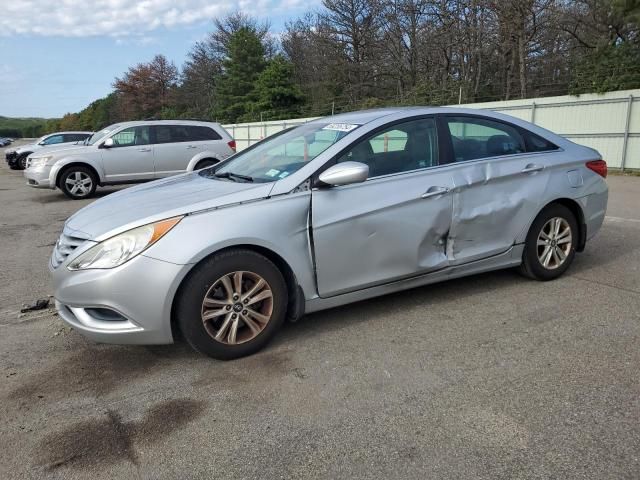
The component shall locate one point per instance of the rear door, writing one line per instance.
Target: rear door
(175, 146)
(498, 185)
(394, 224)
(131, 156)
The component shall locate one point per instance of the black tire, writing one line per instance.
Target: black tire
(80, 174)
(532, 266)
(207, 162)
(21, 161)
(203, 279)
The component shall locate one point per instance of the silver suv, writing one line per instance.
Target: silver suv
(17, 158)
(130, 152)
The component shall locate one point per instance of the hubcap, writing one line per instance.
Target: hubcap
(237, 307)
(554, 243)
(79, 184)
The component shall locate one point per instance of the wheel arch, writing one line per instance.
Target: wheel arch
(295, 307)
(206, 155)
(578, 213)
(62, 168)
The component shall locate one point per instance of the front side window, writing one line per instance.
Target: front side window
(474, 138)
(101, 134)
(403, 147)
(131, 136)
(52, 140)
(279, 156)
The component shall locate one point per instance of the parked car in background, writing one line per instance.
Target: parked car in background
(17, 158)
(130, 152)
(337, 210)
(5, 141)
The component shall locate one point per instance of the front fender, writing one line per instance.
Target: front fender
(278, 224)
(63, 162)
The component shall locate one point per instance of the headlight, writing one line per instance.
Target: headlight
(117, 250)
(38, 161)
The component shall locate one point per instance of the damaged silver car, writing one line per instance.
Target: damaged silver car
(334, 211)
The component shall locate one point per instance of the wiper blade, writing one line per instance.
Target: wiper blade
(233, 176)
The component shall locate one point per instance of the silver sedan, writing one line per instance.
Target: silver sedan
(335, 211)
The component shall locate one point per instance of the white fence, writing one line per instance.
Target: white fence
(608, 122)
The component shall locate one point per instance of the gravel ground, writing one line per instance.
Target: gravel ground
(492, 376)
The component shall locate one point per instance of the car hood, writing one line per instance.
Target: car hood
(26, 148)
(158, 200)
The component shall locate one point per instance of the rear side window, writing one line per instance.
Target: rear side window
(474, 138)
(198, 133)
(75, 137)
(535, 143)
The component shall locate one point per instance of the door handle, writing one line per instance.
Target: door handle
(144, 149)
(532, 167)
(434, 191)
(192, 146)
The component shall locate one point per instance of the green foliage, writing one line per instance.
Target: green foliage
(277, 94)
(23, 127)
(607, 68)
(237, 86)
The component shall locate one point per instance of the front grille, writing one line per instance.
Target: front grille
(64, 247)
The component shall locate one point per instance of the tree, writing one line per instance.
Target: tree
(147, 88)
(237, 86)
(277, 94)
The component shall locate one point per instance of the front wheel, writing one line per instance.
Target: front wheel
(78, 182)
(232, 304)
(551, 243)
(22, 161)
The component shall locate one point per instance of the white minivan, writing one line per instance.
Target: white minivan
(130, 152)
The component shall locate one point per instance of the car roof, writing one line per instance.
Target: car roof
(69, 131)
(167, 122)
(363, 117)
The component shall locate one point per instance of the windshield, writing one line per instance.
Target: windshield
(98, 135)
(281, 155)
(41, 139)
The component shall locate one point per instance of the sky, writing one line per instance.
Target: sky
(57, 56)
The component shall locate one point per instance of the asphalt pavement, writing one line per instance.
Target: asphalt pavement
(489, 377)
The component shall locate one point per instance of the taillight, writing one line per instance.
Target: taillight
(232, 145)
(598, 166)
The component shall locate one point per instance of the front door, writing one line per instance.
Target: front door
(130, 158)
(391, 226)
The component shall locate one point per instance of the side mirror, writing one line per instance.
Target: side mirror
(108, 143)
(345, 173)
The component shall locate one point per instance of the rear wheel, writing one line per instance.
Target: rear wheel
(232, 304)
(551, 243)
(78, 182)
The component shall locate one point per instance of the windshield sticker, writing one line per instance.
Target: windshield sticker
(272, 173)
(340, 127)
(283, 174)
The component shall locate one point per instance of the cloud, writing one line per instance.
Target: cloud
(120, 18)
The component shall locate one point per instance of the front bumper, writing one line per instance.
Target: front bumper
(39, 177)
(11, 158)
(129, 304)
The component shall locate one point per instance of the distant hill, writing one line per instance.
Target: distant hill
(26, 127)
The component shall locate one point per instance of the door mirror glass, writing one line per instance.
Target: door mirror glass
(345, 173)
(108, 143)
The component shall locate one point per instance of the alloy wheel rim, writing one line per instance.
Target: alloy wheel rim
(79, 184)
(554, 243)
(237, 307)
